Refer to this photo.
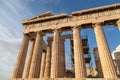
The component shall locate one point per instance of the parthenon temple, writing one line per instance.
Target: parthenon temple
(46, 59)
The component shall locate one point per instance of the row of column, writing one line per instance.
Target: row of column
(58, 57)
(52, 67)
(34, 58)
(34, 67)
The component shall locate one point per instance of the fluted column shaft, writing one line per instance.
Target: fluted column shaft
(98, 63)
(48, 60)
(19, 66)
(80, 71)
(36, 59)
(104, 53)
(28, 64)
(55, 52)
(42, 65)
(61, 60)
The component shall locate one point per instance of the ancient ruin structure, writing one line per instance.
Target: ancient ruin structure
(98, 63)
(116, 59)
(52, 65)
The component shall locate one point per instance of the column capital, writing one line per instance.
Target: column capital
(44, 51)
(118, 24)
(40, 32)
(32, 35)
(32, 39)
(57, 30)
(62, 40)
(97, 24)
(50, 39)
(26, 34)
(76, 27)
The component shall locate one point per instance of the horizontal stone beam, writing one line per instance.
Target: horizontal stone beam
(108, 15)
(108, 7)
(63, 36)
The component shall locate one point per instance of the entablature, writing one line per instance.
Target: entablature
(85, 18)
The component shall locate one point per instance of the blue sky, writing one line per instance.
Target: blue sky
(12, 12)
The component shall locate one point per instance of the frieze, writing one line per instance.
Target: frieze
(82, 17)
(46, 24)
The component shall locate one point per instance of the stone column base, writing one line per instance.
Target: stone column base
(67, 79)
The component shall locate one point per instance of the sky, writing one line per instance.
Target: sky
(12, 12)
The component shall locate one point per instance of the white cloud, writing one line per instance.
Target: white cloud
(18, 7)
(8, 50)
(5, 33)
(12, 13)
(8, 3)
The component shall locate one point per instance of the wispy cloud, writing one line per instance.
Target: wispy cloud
(5, 33)
(18, 7)
(8, 50)
(12, 7)
(12, 13)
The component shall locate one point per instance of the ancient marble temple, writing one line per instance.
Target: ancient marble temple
(46, 59)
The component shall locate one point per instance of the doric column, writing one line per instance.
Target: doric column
(36, 59)
(118, 24)
(98, 63)
(104, 53)
(19, 67)
(61, 60)
(28, 64)
(43, 65)
(80, 70)
(48, 60)
(55, 52)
